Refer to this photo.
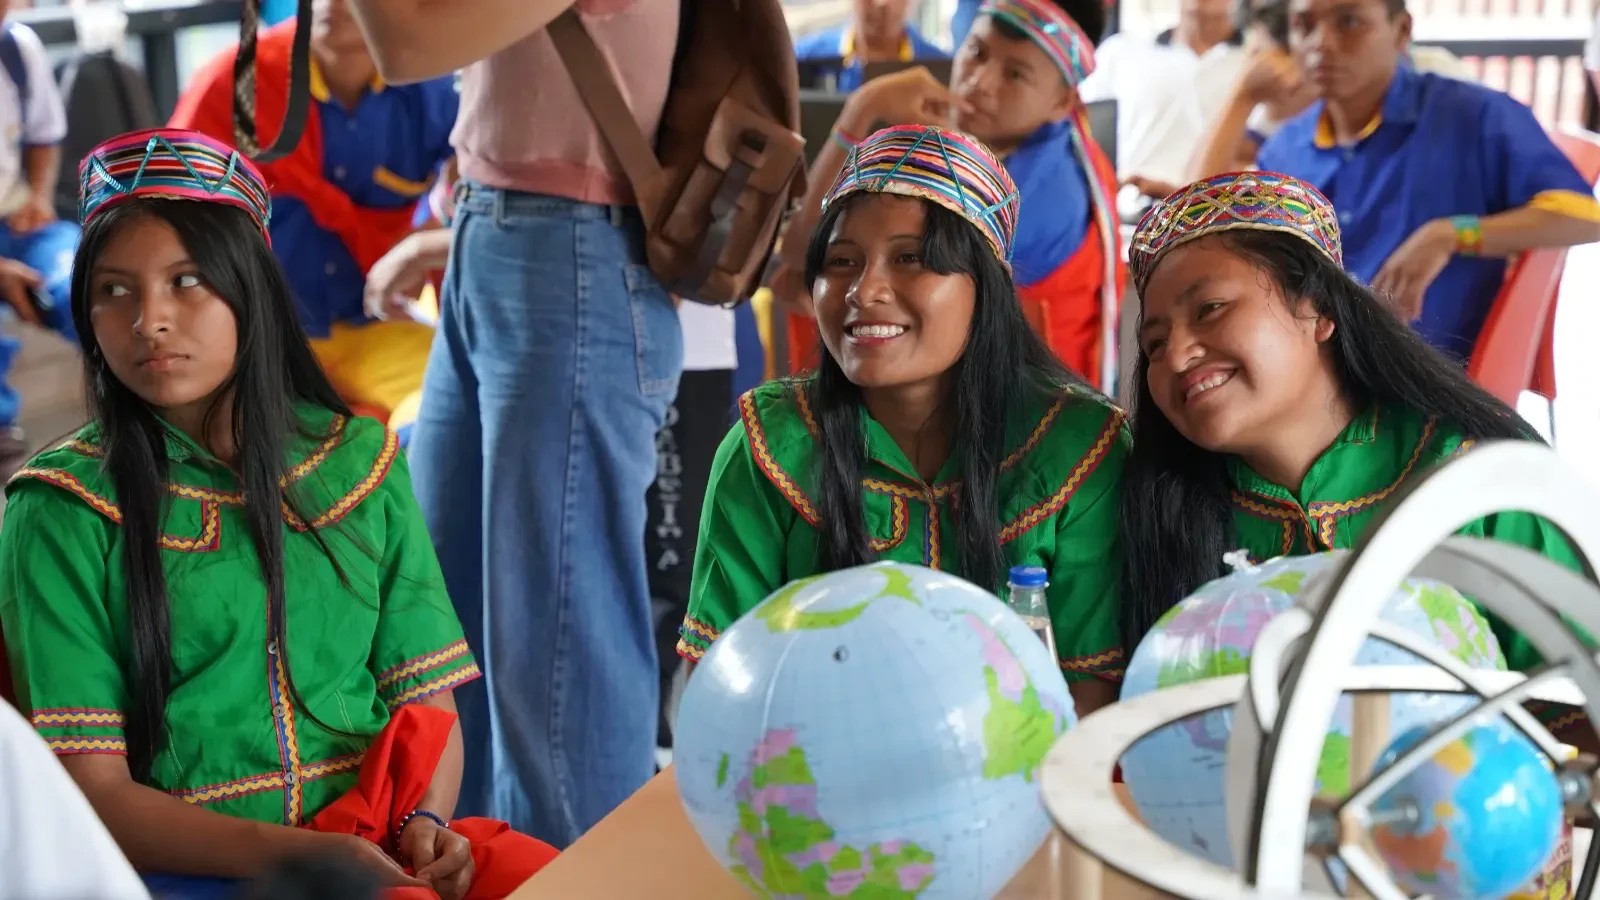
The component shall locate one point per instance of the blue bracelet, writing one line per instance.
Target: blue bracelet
(406, 820)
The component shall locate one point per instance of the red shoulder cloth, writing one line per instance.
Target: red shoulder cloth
(395, 773)
(207, 106)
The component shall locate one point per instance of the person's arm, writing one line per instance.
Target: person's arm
(445, 788)
(1082, 594)
(739, 555)
(1269, 73)
(1227, 141)
(414, 40)
(1542, 199)
(912, 95)
(43, 130)
(1547, 203)
(43, 163)
(160, 833)
(60, 639)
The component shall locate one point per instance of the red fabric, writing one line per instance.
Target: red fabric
(207, 106)
(1065, 307)
(395, 774)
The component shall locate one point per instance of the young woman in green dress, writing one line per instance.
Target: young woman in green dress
(938, 430)
(1279, 403)
(220, 604)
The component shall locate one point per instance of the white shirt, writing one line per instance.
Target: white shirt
(1167, 98)
(47, 114)
(53, 845)
(708, 337)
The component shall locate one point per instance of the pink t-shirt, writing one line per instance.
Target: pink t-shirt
(523, 126)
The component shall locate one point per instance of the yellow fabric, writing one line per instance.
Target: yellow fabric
(847, 47)
(319, 84)
(1571, 204)
(406, 413)
(1324, 139)
(377, 364)
(427, 306)
(761, 305)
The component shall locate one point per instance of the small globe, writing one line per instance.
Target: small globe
(872, 733)
(1485, 813)
(1176, 773)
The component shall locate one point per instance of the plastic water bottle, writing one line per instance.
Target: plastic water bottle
(1027, 600)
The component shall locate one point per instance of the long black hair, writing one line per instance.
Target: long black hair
(1176, 518)
(1004, 368)
(274, 370)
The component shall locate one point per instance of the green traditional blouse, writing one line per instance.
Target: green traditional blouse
(1058, 509)
(357, 649)
(1347, 486)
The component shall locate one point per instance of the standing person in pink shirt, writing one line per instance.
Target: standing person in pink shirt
(556, 357)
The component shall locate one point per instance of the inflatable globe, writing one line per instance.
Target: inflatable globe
(1176, 774)
(872, 733)
(1483, 815)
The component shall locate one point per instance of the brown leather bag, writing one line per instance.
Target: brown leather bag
(728, 157)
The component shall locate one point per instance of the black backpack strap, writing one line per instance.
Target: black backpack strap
(245, 136)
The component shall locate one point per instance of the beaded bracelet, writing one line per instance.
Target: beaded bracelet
(415, 813)
(844, 140)
(1469, 235)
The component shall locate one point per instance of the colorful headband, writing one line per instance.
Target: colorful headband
(173, 164)
(944, 167)
(1052, 29)
(1234, 201)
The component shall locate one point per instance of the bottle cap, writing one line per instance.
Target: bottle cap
(1029, 576)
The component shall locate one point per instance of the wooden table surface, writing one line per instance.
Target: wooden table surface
(646, 848)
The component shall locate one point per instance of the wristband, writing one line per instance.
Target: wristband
(844, 140)
(1469, 234)
(418, 813)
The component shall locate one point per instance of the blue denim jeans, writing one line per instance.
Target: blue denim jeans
(48, 251)
(556, 357)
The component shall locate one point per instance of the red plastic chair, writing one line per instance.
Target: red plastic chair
(1517, 333)
(1516, 350)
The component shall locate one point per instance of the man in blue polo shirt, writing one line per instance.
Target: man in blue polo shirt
(1436, 181)
(878, 31)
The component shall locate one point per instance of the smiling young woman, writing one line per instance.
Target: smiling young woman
(1278, 403)
(938, 430)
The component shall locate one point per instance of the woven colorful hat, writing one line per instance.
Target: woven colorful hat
(174, 164)
(1234, 201)
(1052, 29)
(945, 167)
